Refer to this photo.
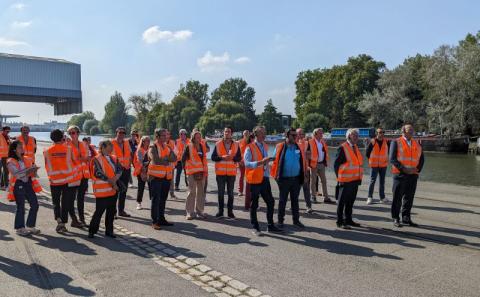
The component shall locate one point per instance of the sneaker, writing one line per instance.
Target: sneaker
(385, 201)
(139, 206)
(369, 200)
(23, 232)
(273, 229)
(299, 225)
(33, 230)
(257, 232)
(396, 223)
(189, 217)
(309, 210)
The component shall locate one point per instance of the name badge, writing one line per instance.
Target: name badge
(297, 151)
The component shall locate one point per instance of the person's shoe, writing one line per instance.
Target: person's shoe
(280, 225)
(369, 200)
(385, 201)
(257, 232)
(172, 195)
(314, 199)
(111, 235)
(165, 223)
(84, 223)
(299, 225)
(189, 217)
(328, 201)
(353, 224)
(346, 227)
(309, 210)
(59, 227)
(177, 189)
(273, 229)
(409, 222)
(124, 214)
(339, 224)
(91, 235)
(201, 216)
(396, 223)
(33, 230)
(76, 224)
(23, 232)
(132, 186)
(139, 206)
(231, 215)
(156, 226)
(219, 215)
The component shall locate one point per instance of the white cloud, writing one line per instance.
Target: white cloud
(242, 60)
(11, 43)
(18, 6)
(20, 25)
(154, 34)
(209, 62)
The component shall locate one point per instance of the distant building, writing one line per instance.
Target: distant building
(34, 79)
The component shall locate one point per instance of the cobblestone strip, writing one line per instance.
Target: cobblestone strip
(210, 280)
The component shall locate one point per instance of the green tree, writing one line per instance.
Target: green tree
(88, 124)
(79, 119)
(142, 104)
(223, 113)
(271, 118)
(195, 91)
(94, 130)
(115, 114)
(179, 114)
(314, 120)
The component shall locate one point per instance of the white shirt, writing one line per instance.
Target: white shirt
(321, 154)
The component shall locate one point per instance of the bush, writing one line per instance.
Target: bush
(95, 130)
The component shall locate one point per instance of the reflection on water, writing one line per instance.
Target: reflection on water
(439, 167)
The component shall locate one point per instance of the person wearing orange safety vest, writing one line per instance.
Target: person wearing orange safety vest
(4, 143)
(225, 155)
(207, 149)
(105, 171)
(288, 169)
(406, 157)
(349, 171)
(196, 167)
(317, 151)
(180, 145)
(29, 142)
(258, 176)
(140, 163)
(22, 187)
(377, 155)
(92, 152)
(82, 160)
(241, 166)
(303, 144)
(171, 143)
(121, 150)
(64, 175)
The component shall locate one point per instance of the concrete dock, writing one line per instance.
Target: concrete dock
(223, 258)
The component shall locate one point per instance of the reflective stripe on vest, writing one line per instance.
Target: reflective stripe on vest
(379, 156)
(224, 167)
(123, 155)
(314, 151)
(408, 156)
(161, 171)
(101, 188)
(137, 164)
(180, 147)
(255, 175)
(80, 152)
(59, 165)
(29, 148)
(194, 163)
(37, 188)
(352, 169)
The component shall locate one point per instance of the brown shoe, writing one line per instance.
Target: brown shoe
(156, 227)
(76, 224)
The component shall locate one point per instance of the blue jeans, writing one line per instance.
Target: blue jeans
(24, 191)
(373, 178)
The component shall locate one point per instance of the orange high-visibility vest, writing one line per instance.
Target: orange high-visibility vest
(3, 146)
(243, 146)
(180, 147)
(314, 151)
(226, 167)
(408, 156)
(255, 175)
(37, 188)
(80, 152)
(303, 145)
(379, 156)
(29, 148)
(194, 163)
(137, 164)
(60, 166)
(123, 155)
(352, 169)
(161, 171)
(92, 151)
(102, 188)
(277, 163)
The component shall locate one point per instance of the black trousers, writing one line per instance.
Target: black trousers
(265, 191)
(123, 195)
(101, 205)
(79, 195)
(160, 188)
(347, 193)
(403, 189)
(62, 198)
(289, 186)
(4, 173)
(178, 174)
(140, 189)
(229, 181)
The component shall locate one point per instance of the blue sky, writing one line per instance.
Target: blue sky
(139, 46)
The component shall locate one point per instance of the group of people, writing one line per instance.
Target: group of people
(297, 163)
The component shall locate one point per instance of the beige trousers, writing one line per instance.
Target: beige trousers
(195, 199)
(320, 172)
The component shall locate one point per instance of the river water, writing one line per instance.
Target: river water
(460, 169)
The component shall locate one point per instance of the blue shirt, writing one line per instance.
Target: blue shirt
(291, 162)
(247, 158)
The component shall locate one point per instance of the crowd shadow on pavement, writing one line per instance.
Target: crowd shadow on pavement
(63, 243)
(41, 277)
(5, 236)
(446, 209)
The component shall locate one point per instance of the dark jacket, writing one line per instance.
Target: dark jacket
(393, 160)
(301, 177)
(216, 158)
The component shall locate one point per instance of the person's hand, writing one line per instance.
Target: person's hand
(266, 160)
(227, 158)
(115, 187)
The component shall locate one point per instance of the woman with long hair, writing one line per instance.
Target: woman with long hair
(140, 165)
(22, 186)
